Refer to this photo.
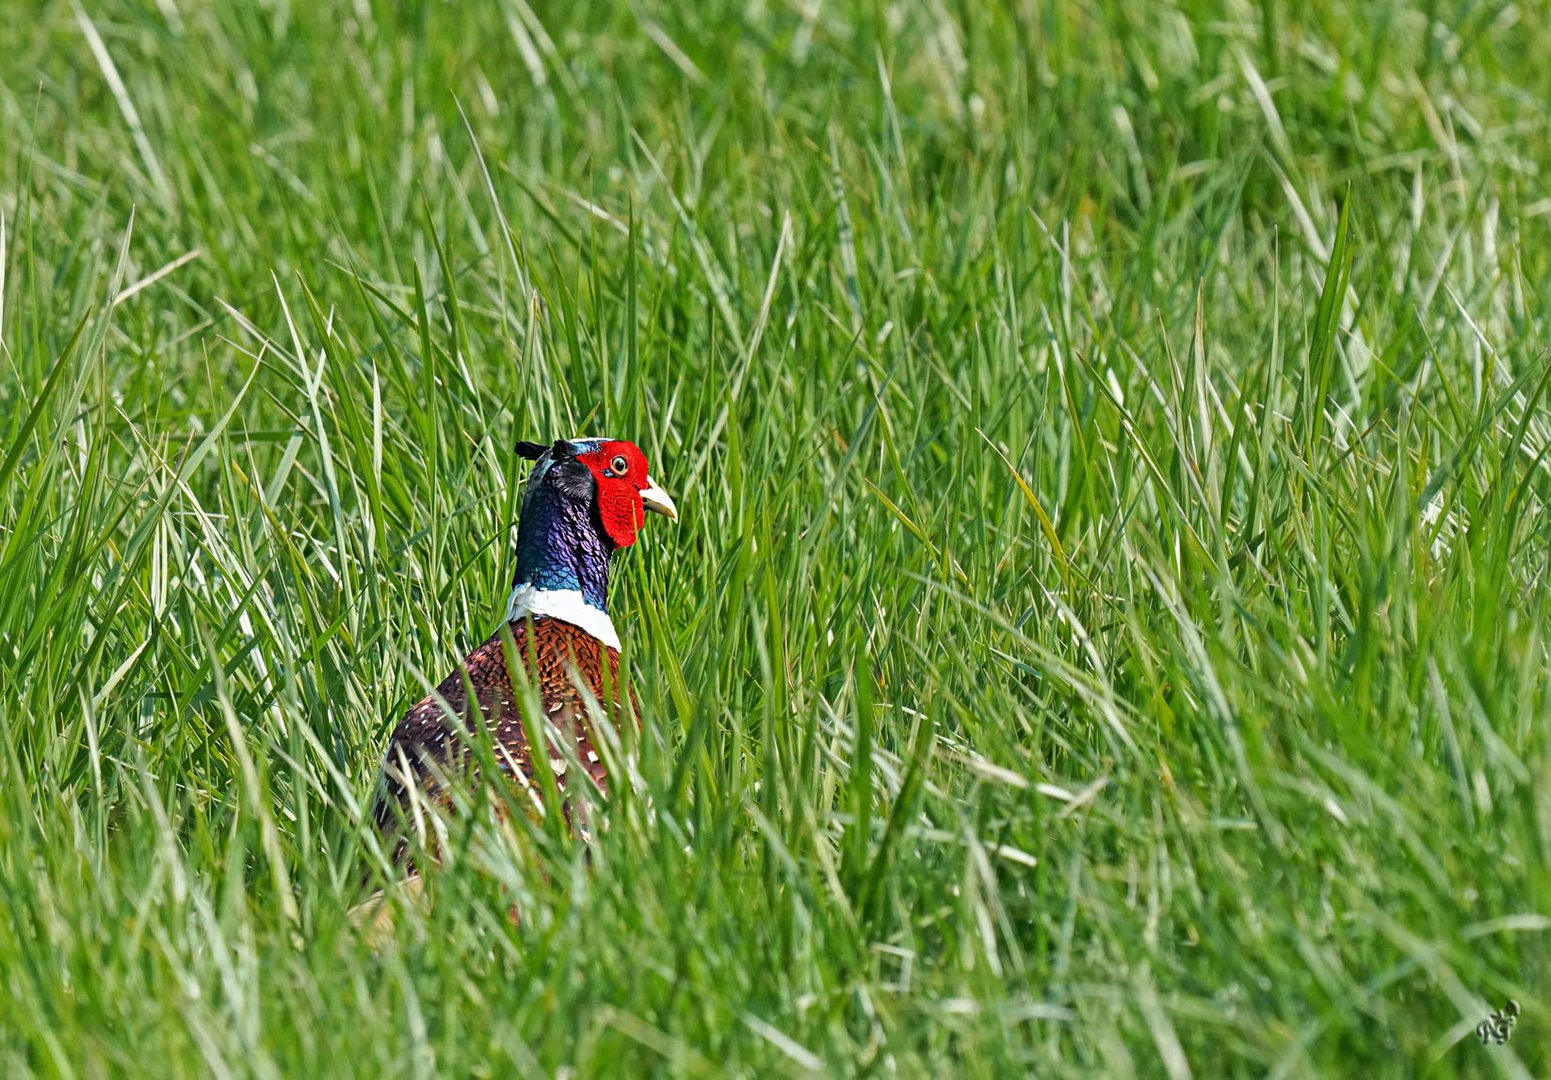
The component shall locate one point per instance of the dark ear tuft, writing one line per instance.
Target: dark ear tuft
(572, 479)
(562, 450)
(530, 451)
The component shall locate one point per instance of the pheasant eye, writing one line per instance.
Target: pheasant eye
(619, 466)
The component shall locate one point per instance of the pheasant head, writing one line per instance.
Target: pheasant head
(584, 501)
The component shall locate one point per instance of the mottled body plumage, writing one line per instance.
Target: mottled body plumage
(428, 746)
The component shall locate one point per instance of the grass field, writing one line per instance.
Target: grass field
(1108, 628)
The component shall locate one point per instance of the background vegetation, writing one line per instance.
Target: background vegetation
(1108, 628)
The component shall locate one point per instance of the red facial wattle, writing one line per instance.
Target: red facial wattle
(620, 508)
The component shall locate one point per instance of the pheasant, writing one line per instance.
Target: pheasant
(584, 501)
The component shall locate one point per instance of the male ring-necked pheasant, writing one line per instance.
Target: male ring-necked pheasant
(584, 501)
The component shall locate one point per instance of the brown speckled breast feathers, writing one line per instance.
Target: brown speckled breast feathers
(426, 748)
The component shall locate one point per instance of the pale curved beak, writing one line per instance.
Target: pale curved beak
(658, 501)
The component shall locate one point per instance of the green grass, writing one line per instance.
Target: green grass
(1107, 632)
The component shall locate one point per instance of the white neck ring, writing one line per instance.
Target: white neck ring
(566, 605)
